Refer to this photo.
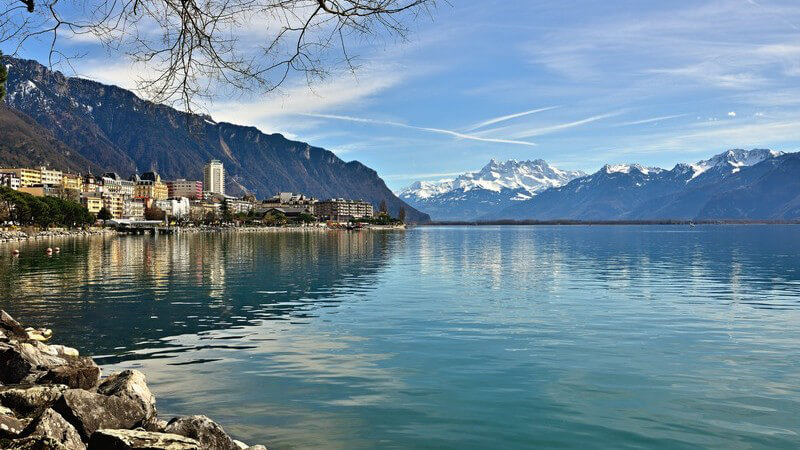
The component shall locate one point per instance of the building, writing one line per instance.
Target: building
(175, 208)
(149, 186)
(115, 184)
(115, 204)
(341, 210)
(236, 206)
(72, 181)
(133, 208)
(9, 180)
(91, 184)
(50, 177)
(27, 177)
(191, 189)
(214, 177)
(92, 203)
(41, 190)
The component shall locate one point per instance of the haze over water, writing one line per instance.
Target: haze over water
(460, 337)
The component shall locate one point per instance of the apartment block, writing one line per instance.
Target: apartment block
(27, 177)
(9, 180)
(341, 210)
(190, 189)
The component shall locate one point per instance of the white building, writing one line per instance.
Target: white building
(214, 177)
(174, 207)
(10, 180)
(51, 177)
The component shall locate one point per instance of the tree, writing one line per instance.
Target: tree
(154, 214)
(189, 46)
(104, 214)
(401, 214)
(3, 78)
(384, 209)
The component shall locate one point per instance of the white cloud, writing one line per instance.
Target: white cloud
(563, 126)
(412, 127)
(509, 117)
(651, 120)
(732, 114)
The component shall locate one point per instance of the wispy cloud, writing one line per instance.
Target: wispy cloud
(412, 127)
(563, 126)
(509, 117)
(651, 120)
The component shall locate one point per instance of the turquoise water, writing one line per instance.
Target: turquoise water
(451, 338)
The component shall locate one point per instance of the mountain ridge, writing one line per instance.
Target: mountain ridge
(708, 189)
(491, 188)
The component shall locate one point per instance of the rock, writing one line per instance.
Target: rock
(78, 373)
(51, 425)
(25, 362)
(132, 384)
(256, 447)
(63, 350)
(36, 443)
(138, 439)
(210, 435)
(11, 327)
(240, 444)
(10, 426)
(28, 401)
(156, 425)
(89, 412)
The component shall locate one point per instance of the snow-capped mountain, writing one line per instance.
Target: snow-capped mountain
(493, 188)
(688, 191)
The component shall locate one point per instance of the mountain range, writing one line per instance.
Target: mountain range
(78, 124)
(495, 187)
(737, 184)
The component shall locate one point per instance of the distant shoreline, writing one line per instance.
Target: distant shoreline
(611, 222)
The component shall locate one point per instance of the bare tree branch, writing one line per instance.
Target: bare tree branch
(191, 47)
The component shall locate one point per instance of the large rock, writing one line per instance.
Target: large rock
(89, 411)
(10, 327)
(10, 426)
(210, 435)
(25, 362)
(79, 373)
(132, 384)
(138, 439)
(28, 401)
(51, 425)
(36, 443)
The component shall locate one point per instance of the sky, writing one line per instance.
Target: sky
(577, 83)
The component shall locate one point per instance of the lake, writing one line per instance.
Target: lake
(443, 337)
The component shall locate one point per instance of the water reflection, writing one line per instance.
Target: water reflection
(110, 294)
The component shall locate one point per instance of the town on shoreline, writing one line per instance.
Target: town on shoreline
(44, 198)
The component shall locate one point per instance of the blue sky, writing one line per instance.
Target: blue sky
(578, 83)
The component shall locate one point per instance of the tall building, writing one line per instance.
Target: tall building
(214, 177)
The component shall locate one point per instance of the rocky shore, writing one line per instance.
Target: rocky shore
(51, 398)
(17, 235)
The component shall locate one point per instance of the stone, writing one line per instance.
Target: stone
(50, 424)
(36, 443)
(140, 440)
(256, 447)
(11, 327)
(28, 401)
(240, 444)
(132, 384)
(89, 411)
(156, 425)
(10, 426)
(210, 435)
(78, 373)
(25, 362)
(63, 350)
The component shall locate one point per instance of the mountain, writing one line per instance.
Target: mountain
(737, 184)
(25, 143)
(495, 187)
(118, 131)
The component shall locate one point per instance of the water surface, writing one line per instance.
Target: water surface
(451, 337)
